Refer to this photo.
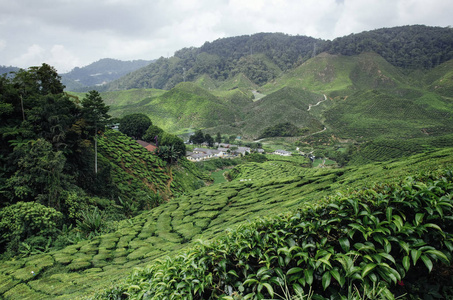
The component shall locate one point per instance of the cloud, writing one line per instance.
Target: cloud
(34, 53)
(57, 55)
(69, 32)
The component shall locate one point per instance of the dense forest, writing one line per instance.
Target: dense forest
(262, 57)
(408, 47)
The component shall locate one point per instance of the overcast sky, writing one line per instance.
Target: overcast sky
(70, 33)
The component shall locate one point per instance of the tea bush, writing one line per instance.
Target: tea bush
(387, 235)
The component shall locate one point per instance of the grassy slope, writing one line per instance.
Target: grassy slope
(321, 74)
(367, 97)
(240, 81)
(285, 105)
(271, 188)
(122, 98)
(373, 113)
(185, 106)
(440, 79)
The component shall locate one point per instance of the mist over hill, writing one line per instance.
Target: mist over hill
(99, 73)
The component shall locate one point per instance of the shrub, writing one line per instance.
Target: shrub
(377, 239)
(91, 221)
(24, 220)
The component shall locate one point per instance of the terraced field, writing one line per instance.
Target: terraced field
(270, 188)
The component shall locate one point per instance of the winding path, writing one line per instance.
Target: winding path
(319, 102)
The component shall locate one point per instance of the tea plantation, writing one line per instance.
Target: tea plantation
(257, 190)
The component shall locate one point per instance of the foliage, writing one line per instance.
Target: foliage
(283, 129)
(255, 157)
(23, 220)
(197, 138)
(380, 235)
(90, 265)
(95, 112)
(215, 164)
(91, 221)
(39, 174)
(171, 140)
(168, 153)
(135, 125)
(434, 45)
(152, 134)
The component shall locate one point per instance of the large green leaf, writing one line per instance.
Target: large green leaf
(326, 280)
(344, 243)
(427, 261)
(367, 269)
(406, 263)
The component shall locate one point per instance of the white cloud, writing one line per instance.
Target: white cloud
(33, 56)
(56, 56)
(69, 32)
(64, 59)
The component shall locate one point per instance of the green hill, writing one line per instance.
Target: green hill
(434, 45)
(367, 98)
(263, 56)
(263, 189)
(284, 105)
(185, 106)
(334, 74)
(440, 79)
(365, 115)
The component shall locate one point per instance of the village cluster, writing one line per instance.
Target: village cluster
(226, 151)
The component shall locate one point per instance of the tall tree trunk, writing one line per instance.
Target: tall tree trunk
(22, 107)
(96, 151)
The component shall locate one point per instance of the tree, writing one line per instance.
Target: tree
(152, 134)
(95, 114)
(41, 80)
(168, 153)
(39, 174)
(177, 144)
(53, 118)
(197, 138)
(208, 139)
(135, 125)
(24, 220)
(218, 138)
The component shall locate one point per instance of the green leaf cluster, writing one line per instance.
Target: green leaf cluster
(382, 235)
(23, 220)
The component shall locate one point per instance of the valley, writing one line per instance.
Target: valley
(362, 208)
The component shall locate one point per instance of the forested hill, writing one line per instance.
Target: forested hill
(412, 47)
(261, 57)
(264, 56)
(5, 69)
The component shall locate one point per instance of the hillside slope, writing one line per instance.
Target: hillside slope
(185, 106)
(269, 188)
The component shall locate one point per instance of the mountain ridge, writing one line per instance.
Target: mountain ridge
(261, 55)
